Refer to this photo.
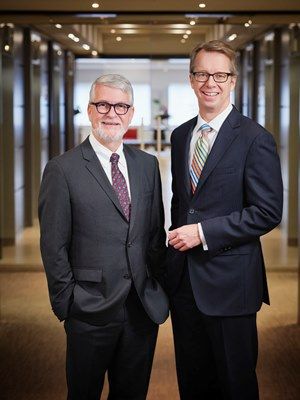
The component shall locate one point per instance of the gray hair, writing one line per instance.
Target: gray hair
(114, 81)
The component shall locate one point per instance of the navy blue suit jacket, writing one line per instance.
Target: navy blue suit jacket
(238, 199)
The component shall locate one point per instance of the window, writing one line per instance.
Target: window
(182, 103)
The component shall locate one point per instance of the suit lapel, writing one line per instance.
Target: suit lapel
(184, 144)
(228, 132)
(95, 168)
(134, 181)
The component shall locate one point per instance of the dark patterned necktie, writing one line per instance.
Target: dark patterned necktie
(119, 185)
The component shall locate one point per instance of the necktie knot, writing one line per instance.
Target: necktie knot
(114, 158)
(205, 129)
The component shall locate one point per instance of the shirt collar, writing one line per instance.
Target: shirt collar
(217, 122)
(103, 151)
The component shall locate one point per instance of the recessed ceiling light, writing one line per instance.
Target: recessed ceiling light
(71, 36)
(112, 31)
(6, 47)
(95, 5)
(185, 36)
(192, 22)
(118, 38)
(232, 37)
(76, 39)
(202, 5)
(86, 46)
(94, 53)
(188, 32)
(58, 26)
(182, 40)
(59, 53)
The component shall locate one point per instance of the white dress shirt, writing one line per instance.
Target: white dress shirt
(103, 154)
(215, 124)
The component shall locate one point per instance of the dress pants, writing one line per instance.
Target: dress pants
(215, 356)
(124, 348)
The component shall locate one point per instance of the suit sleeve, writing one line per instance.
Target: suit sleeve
(263, 198)
(157, 244)
(55, 225)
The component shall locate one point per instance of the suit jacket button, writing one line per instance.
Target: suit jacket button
(191, 211)
(126, 276)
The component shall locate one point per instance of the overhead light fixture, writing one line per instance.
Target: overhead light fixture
(232, 37)
(112, 31)
(94, 53)
(185, 36)
(59, 53)
(6, 47)
(86, 46)
(202, 5)
(76, 39)
(118, 38)
(192, 22)
(188, 32)
(182, 41)
(71, 36)
(95, 5)
(248, 23)
(58, 26)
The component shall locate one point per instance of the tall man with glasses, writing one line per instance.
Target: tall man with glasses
(103, 249)
(227, 192)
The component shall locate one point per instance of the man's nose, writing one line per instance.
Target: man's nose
(111, 112)
(210, 80)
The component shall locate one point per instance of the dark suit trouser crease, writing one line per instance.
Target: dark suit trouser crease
(124, 348)
(215, 356)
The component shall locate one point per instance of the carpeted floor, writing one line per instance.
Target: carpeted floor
(33, 344)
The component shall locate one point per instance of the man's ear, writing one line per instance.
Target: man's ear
(89, 110)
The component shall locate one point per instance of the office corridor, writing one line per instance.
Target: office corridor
(33, 341)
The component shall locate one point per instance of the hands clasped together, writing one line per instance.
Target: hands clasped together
(184, 238)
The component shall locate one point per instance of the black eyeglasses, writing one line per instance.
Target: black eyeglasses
(103, 107)
(218, 77)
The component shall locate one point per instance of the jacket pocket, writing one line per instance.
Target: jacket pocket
(87, 275)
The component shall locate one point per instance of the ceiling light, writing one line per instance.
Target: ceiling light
(118, 38)
(182, 40)
(112, 31)
(6, 47)
(71, 36)
(59, 53)
(202, 5)
(58, 26)
(95, 5)
(76, 39)
(86, 46)
(192, 22)
(188, 32)
(185, 36)
(232, 37)
(246, 24)
(94, 53)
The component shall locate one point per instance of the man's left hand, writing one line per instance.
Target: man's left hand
(185, 238)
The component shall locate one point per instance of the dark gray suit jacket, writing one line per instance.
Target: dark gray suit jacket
(90, 252)
(238, 199)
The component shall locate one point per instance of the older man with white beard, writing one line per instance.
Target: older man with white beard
(103, 248)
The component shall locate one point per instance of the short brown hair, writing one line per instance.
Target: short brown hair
(218, 46)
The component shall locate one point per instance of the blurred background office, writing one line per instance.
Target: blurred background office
(50, 52)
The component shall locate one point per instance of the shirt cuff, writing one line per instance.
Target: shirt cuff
(202, 237)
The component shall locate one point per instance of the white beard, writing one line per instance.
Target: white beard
(108, 137)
